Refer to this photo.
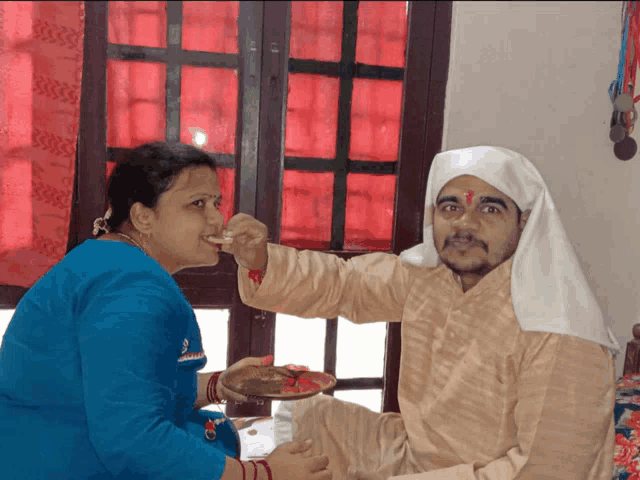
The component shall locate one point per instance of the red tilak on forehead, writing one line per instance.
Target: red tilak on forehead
(469, 196)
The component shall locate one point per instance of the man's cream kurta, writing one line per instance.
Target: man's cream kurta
(479, 397)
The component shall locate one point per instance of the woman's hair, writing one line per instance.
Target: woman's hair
(148, 171)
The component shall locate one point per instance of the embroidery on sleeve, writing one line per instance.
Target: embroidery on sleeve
(191, 356)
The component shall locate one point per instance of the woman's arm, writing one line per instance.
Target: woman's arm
(211, 390)
(233, 470)
(201, 396)
(130, 338)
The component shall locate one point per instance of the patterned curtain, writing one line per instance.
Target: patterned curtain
(41, 53)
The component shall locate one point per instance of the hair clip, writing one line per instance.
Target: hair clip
(100, 223)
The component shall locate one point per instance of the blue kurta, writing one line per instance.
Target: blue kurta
(98, 375)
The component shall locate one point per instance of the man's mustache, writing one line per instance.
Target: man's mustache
(468, 238)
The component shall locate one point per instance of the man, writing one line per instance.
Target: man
(505, 371)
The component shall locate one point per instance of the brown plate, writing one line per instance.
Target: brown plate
(276, 383)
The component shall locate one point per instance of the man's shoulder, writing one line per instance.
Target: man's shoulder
(430, 274)
(430, 271)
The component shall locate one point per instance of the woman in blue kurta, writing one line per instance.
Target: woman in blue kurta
(99, 362)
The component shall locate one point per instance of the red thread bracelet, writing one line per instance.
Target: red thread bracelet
(256, 275)
(216, 377)
(209, 388)
(266, 466)
(255, 469)
(212, 397)
(244, 473)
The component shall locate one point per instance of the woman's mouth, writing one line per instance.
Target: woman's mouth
(216, 242)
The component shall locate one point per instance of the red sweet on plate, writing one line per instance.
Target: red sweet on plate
(304, 385)
(297, 368)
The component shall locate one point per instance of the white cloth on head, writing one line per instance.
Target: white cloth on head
(549, 291)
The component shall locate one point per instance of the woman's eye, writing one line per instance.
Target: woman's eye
(199, 203)
(449, 208)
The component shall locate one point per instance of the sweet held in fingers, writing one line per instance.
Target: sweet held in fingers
(221, 240)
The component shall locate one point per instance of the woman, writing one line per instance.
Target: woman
(99, 361)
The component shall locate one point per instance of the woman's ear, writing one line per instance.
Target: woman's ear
(141, 217)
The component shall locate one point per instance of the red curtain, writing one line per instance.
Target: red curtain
(41, 53)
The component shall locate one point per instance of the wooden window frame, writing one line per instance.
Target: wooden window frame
(263, 63)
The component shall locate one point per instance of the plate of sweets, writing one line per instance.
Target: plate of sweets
(290, 382)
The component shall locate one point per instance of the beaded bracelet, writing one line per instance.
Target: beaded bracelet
(256, 275)
(212, 397)
(266, 466)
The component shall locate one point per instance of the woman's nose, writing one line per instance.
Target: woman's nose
(214, 216)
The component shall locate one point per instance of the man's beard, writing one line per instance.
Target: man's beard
(482, 269)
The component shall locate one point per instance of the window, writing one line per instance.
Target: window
(343, 118)
(172, 75)
(354, 90)
(5, 318)
(212, 323)
(321, 107)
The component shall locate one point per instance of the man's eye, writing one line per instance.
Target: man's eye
(491, 209)
(199, 203)
(449, 208)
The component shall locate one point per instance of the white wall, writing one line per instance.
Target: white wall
(534, 77)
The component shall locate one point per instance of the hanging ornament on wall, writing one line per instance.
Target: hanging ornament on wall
(624, 102)
(622, 89)
(617, 131)
(626, 149)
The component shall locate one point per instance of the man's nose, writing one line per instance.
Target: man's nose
(468, 219)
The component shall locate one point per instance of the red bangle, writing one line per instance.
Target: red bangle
(244, 473)
(255, 469)
(266, 466)
(212, 397)
(256, 275)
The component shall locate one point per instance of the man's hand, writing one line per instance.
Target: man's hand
(249, 246)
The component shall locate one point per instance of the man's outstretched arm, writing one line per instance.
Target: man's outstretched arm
(368, 288)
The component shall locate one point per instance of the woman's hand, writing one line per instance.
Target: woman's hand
(249, 246)
(289, 461)
(224, 393)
